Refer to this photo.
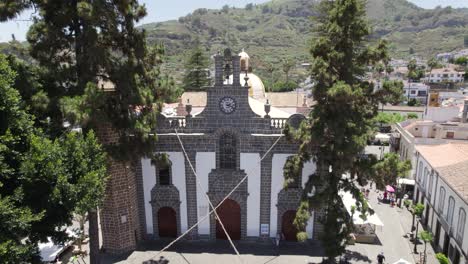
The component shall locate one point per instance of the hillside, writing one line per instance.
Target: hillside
(282, 28)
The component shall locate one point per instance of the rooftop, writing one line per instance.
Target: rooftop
(451, 162)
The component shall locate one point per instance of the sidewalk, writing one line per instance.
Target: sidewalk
(406, 220)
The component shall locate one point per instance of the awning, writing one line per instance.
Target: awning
(382, 137)
(49, 250)
(349, 201)
(406, 181)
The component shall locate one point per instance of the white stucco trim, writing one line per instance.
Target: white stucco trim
(277, 180)
(178, 180)
(249, 162)
(205, 162)
(310, 226)
(149, 181)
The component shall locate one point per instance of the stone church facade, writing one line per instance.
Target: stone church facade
(224, 143)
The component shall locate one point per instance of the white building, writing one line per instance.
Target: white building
(418, 91)
(444, 75)
(442, 186)
(445, 124)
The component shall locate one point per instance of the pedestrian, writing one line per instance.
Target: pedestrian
(367, 193)
(380, 258)
(278, 238)
(385, 196)
(370, 184)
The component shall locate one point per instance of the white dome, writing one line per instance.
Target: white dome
(244, 55)
(256, 90)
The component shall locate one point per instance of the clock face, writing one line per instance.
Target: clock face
(227, 105)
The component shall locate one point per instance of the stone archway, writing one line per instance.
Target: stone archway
(230, 214)
(288, 229)
(167, 222)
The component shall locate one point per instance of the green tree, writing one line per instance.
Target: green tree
(287, 65)
(341, 123)
(395, 94)
(16, 218)
(389, 169)
(412, 70)
(417, 211)
(442, 258)
(462, 61)
(426, 237)
(197, 75)
(83, 43)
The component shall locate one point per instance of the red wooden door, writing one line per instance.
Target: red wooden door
(287, 226)
(167, 222)
(230, 215)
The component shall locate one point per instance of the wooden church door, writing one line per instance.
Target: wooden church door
(167, 222)
(230, 215)
(287, 226)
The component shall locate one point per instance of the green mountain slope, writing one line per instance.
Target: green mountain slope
(282, 28)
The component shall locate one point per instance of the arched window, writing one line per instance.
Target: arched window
(164, 174)
(425, 177)
(451, 207)
(227, 151)
(461, 224)
(441, 200)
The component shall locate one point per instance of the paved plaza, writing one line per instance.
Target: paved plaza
(392, 241)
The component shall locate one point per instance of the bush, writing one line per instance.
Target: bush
(301, 236)
(442, 258)
(282, 86)
(407, 203)
(412, 116)
(412, 102)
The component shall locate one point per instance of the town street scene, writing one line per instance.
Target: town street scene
(240, 131)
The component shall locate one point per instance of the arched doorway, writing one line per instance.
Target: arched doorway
(287, 226)
(167, 222)
(230, 215)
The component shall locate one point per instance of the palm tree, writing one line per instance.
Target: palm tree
(426, 236)
(417, 211)
(287, 66)
(432, 63)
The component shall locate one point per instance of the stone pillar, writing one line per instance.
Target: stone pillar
(236, 70)
(219, 78)
(191, 188)
(119, 213)
(265, 191)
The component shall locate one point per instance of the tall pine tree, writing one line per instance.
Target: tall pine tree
(83, 43)
(197, 75)
(336, 132)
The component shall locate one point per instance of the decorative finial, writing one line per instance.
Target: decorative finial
(267, 108)
(188, 108)
(246, 79)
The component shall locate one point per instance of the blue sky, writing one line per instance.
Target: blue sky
(162, 10)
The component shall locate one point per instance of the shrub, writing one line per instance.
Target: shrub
(282, 86)
(442, 258)
(301, 236)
